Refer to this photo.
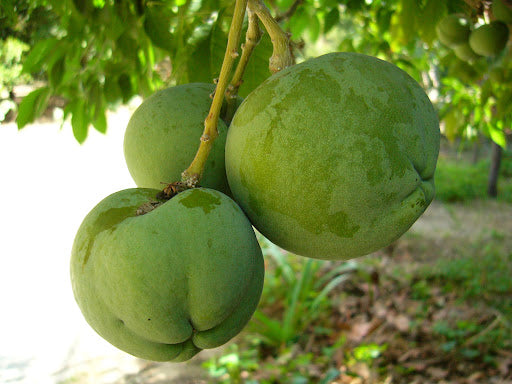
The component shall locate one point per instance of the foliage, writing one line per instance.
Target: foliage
(11, 51)
(459, 180)
(301, 288)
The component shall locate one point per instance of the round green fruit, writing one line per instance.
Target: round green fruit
(334, 158)
(162, 285)
(163, 135)
(465, 53)
(502, 11)
(453, 30)
(489, 39)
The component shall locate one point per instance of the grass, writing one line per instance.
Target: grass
(460, 180)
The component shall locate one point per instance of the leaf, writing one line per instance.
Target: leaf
(331, 19)
(32, 106)
(38, 54)
(112, 90)
(497, 134)
(157, 26)
(257, 68)
(299, 22)
(100, 122)
(56, 73)
(79, 121)
(125, 84)
(431, 14)
(218, 42)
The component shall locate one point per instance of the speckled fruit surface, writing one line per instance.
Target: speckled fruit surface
(163, 136)
(165, 284)
(334, 158)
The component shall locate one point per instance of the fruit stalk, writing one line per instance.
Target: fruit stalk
(191, 176)
(282, 55)
(252, 38)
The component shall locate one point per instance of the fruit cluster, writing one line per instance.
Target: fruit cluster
(469, 43)
(332, 158)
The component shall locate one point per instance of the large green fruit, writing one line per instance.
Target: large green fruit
(489, 39)
(502, 11)
(334, 158)
(163, 285)
(453, 30)
(163, 135)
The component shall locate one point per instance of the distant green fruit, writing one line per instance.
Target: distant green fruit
(453, 30)
(489, 39)
(334, 158)
(502, 11)
(163, 285)
(163, 135)
(464, 52)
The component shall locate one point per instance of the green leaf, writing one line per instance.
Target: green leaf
(257, 68)
(299, 22)
(32, 106)
(79, 121)
(125, 84)
(112, 90)
(36, 59)
(218, 42)
(498, 134)
(432, 13)
(56, 73)
(157, 26)
(331, 19)
(100, 122)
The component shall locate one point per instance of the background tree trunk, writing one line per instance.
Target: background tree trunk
(492, 185)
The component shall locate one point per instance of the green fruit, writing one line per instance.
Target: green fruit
(502, 11)
(453, 30)
(163, 136)
(465, 53)
(334, 158)
(163, 285)
(489, 39)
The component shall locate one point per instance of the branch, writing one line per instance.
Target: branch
(191, 176)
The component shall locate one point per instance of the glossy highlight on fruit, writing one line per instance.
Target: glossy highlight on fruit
(162, 285)
(163, 136)
(334, 158)
(489, 39)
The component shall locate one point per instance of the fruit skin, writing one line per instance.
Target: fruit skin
(501, 11)
(489, 39)
(334, 158)
(163, 285)
(163, 135)
(453, 30)
(465, 53)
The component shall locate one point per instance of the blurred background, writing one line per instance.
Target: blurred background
(433, 307)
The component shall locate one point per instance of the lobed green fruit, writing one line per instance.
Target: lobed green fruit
(453, 30)
(502, 11)
(465, 53)
(489, 39)
(163, 285)
(334, 158)
(163, 135)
